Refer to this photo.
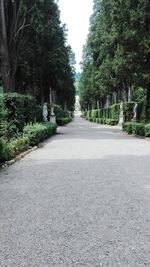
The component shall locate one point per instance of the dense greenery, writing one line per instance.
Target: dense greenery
(34, 54)
(19, 129)
(62, 117)
(36, 66)
(32, 134)
(37, 132)
(115, 57)
(135, 128)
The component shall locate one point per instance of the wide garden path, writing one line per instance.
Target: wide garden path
(81, 199)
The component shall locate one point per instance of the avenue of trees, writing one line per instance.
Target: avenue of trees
(34, 56)
(116, 55)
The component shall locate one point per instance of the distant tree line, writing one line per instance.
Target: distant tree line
(116, 55)
(34, 56)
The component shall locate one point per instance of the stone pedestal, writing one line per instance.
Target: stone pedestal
(45, 112)
(121, 116)
(52, 117)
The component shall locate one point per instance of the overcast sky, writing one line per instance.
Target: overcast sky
(76, 14)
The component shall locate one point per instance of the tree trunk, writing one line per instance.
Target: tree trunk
(5, 64)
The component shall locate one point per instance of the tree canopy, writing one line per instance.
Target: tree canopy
(116, 55)
(34, 53)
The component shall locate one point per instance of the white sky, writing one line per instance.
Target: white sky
(76, 14)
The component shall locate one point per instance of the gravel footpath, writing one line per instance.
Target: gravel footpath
(81, 199)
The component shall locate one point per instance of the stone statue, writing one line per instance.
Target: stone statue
(121, 117)
(45, 112)
(52, 114)
(135, 112)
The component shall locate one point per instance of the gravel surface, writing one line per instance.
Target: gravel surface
(81, 199)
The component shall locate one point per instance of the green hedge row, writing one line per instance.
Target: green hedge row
(62, 117)
(63, 121)
(108, 115)
(60, 113)
(9, 150)
(136, 128)
(32, 135)
(111, 114)
(15, 111)
(38, 132)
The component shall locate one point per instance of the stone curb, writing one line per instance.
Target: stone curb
(18, 157)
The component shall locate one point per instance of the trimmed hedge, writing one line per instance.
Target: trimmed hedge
(38, 132)
(147, 130)
(136, 128)
(111, 114)
(63, 121)
(32, 135)
(62, 117)
(9, 150)
(60, 113)
(94, 113)
(20, 109)
(108, 115)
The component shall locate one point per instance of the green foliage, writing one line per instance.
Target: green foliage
(115, 112)
(38, 132)
(127, 127)
(108, 115)
(128, 111)
(116, 56)
(111, 122)
(63, 121)
(128, 108)
(9, 150)
(20, 110)
(147, 130)
(62, 117)
(60, 113)
(35, 54)
(134, 128)
(88, 115)
(2, 115)
(4, 152)
(94, 114)
(138, 129)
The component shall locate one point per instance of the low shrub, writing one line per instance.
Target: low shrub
(4, 152)
(60, 113)
(20, 109)
(2, 116)
(134, 128)
(104, 121)
(128, 108)
(147, 130)
(9, 150)
(138, 129)
(111, 122)
(127, 127)
(38, 132)
(63, 121)
(94, 113)
(115, 112)
(88, 115)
